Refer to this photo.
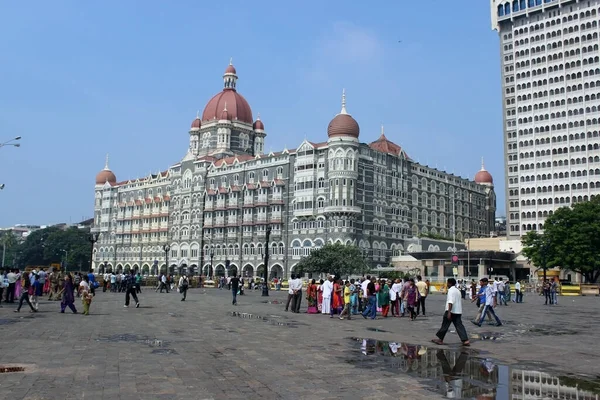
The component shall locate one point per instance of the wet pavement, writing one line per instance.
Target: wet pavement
(205, 348)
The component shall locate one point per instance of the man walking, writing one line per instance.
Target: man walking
(12, 280)
(130, 289)
(518, 298)
(297, 294)
(290, 293)
(327, 289)
(423, 292)
(452, 315)
(371, 309)
(235, 285)
(490, 303)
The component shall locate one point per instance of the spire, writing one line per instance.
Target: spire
(258, 117)
(106, 164)
(198, 114)
(230, 60)
(382, 132)
(225, 108)
(482, 164)
(343, 102)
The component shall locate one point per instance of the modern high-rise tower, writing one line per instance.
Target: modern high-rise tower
(551, 106)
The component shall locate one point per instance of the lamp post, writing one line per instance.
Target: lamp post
(166, 249)
(212, 255)
(93, 238)
(265, 291)
(10, 142)
(66, 257)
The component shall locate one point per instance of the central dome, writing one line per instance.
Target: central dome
(237, 107)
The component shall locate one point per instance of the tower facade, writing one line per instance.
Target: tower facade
(551, 106)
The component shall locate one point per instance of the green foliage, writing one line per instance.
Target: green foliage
(336, 259)
(47, 246)
(8, 245)
(571, 240)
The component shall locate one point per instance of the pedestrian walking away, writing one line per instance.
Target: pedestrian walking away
(184, 284)
(235, 286)
(130, 289)
(452, 315)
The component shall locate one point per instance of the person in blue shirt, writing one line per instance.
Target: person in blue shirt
(481, 297)
(93, 282)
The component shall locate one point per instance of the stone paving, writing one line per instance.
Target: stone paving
(205, 348)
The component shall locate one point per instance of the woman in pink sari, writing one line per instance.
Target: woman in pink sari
(311, 297)
(18, 285)
(320, 296)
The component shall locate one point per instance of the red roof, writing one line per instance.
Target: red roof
(237, 107)
(232, 159)
(265, 184)
(383, 145)
(222, 190)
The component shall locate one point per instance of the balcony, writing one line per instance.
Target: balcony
(209, 206)
(220, 205)
(208, 223)
(233, 221)
(262, 201)
(342, 209)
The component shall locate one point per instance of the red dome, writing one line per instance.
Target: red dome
(230, 70)
(343, 125)
(484, 177)
(258, 124)
(196, 123)
(104, 176)
(237, 107)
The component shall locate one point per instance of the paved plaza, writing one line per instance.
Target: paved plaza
(205, 348)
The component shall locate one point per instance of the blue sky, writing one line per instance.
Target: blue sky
(82, 79)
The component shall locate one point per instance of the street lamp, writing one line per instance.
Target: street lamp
(93, 238)
(212, 254)
(166, 249)
(9, 142)
(265, 291)
(66, 257)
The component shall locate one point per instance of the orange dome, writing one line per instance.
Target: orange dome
(196, 124)
(258, 124)
(230, 69)
(104, 176)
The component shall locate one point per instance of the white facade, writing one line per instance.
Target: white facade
(551, 102)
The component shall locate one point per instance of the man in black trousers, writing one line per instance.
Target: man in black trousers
(453, 315)
(130, 289)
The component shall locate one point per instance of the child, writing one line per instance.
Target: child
(86, 299)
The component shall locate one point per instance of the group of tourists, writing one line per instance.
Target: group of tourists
(368, 296)
(116, 282)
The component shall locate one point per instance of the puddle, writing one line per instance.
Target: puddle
(271, 302)
(164, 351)
(159, 346)
(8, 321)
(377, 330)
(463, 373)
(490, 336)
(271, 319)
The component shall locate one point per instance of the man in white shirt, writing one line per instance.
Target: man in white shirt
(290, 293)
(495, 289)
(490, 303)
(518, 297)
(363, 287)
(501, 292)
(452, 315)
(327, 289)
(296, 285)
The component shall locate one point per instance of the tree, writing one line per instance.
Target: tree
(336, 259)
(8, 247)
(571, 240)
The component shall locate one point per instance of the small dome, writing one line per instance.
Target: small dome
(230, 70)
(483, 176)
(343, 124)
(196, 123)
(106, 175)
(258, 124)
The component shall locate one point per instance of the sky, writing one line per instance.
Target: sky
(83, 79)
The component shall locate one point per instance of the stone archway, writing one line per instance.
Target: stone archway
(146, 270)
(119, 269)
(194, 270)
(183, 269)
(233, 269)
(248, 271)
(172, 269)
(260, 271)
(276, 271)
(220, 270)
(163, 269)
(136, 268)
(207, 270)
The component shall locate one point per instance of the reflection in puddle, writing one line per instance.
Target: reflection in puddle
(129, 338)
(465, 374)
(271, 302)
(376, 330)
(271, 320)
(493, 336)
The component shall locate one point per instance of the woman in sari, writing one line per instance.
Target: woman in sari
(320, 296)
(383, 298)
(68, 299)
(19, 285)
(412, 297)
(337, 302)
(377, 290)
(311, 297)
